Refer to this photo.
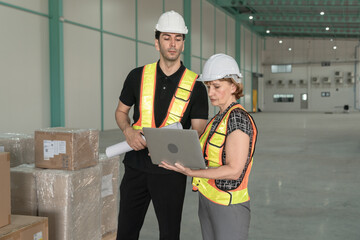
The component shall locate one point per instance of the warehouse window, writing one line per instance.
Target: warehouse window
(283, 97)
(281, 68)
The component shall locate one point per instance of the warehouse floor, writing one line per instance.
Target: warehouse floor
(305, 182)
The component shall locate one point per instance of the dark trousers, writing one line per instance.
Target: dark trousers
(167, 192)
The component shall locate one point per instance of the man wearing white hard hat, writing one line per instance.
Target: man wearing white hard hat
(162, 93)
(228, 144)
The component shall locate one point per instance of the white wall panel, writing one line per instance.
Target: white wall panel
(207, 30)
(196, 65)
(148, 15)
(177, 6)
(220, 34)
(195, 27)
(82, 77)
(119, 60)
(119, 17)
(24, 68)
(85, 12)
(35, 5)
(147, 54)
(247, 50)
(231, 37)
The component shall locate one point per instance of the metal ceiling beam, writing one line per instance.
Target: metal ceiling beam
(280, 3)
(301, 18)
(309, 30)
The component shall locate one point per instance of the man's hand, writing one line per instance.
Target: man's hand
(134, 138)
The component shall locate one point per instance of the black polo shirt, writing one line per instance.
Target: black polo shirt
(164, 91)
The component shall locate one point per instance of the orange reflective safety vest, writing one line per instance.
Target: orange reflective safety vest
(212, 150)
(178, 103)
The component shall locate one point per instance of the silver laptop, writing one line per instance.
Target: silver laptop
(174, 146)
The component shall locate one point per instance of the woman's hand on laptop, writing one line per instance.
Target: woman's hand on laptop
(177, 168)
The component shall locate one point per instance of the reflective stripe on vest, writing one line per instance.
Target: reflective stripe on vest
(178, 103)
(212, 150)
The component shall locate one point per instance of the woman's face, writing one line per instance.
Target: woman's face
(221, 93)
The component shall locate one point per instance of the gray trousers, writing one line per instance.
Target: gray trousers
(220, 222)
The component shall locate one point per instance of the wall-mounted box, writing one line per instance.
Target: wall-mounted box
(351, 80)
(326, 80)
(302, 82)
(350, 74)
(280, 82)
(315, 80)
(269, 82)
(291, 82)
(339, 81)
(338, 74)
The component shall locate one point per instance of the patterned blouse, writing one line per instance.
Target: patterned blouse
(238, 119)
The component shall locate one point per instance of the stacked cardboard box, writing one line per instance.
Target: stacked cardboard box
(25, 228)
(72, 202)
(79, 197)
(109, 193)
(20, 146)
(5, 206)
(23, 190)
(66, 148)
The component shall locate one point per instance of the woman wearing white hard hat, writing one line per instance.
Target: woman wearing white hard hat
(228, 144)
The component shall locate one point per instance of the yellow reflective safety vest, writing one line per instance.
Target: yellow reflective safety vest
(177, 105)
(213, 147)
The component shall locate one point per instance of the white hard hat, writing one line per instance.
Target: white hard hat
(220, 66)
(171, 22)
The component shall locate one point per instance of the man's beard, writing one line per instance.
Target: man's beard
(166, 55)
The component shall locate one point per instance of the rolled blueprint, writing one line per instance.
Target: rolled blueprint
(124, 147)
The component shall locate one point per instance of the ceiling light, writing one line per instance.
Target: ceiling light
(331, 39)
(267, 31)
(322, 13)
(280, 41)
(327, 28)
(251, 17)
(334, 47)
(290, 49)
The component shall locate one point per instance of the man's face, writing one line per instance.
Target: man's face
(170, 45)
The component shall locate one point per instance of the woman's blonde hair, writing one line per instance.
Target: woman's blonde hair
(239, 87)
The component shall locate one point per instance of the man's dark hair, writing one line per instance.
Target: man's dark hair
(157, 35)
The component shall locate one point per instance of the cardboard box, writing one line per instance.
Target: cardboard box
(66, 148)
(109, 236)
(72, 202)
(25, 228)
(20, 146)
(109, 193)
(23, 190)
(5, 204)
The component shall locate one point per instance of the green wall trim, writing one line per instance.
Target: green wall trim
(102, 65)
(56, 45)
(24, 9)
(226, 34)
(251, 67)
(136, 35)
(201, 56)
(187, 18)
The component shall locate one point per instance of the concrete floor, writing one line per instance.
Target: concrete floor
(305, 181)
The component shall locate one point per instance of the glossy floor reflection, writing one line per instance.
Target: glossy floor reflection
(305, 182)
